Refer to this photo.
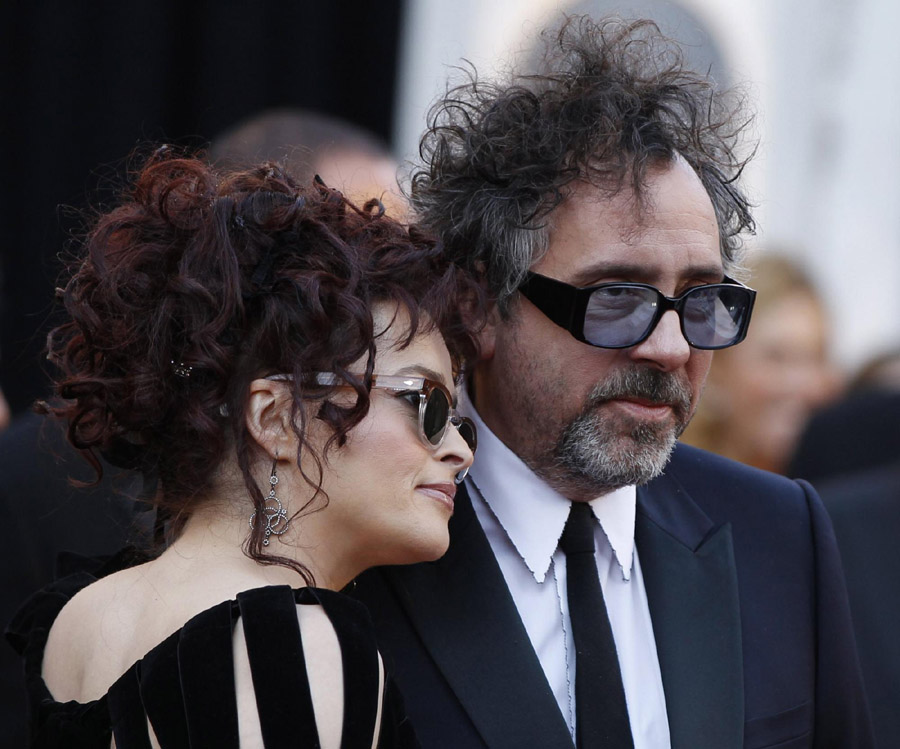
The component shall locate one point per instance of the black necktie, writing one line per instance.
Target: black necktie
(601, 715)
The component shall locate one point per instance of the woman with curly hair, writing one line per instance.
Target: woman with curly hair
(282, 364)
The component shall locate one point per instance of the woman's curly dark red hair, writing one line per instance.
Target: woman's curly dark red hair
(235, 276)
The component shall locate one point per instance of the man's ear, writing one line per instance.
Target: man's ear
(269, 417)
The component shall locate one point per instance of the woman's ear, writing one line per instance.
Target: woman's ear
(269, 417)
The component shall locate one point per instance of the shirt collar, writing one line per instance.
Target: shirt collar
(532, 513)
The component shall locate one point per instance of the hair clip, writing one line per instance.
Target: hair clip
(181, 369)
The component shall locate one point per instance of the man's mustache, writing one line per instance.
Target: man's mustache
(652, 385)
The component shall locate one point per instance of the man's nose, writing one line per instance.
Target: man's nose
(666, 347)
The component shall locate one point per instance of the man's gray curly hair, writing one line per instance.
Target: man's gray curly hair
(615, 99)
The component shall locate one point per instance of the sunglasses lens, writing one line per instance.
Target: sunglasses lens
(467, 432)
(436, 416)
(716, 316)
(619, 316)
(712, 317)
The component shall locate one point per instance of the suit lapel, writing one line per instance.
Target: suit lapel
(691, 582)
(465, 615)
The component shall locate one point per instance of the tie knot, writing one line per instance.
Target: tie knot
(578, 535)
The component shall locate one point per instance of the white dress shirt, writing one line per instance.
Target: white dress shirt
(523, 519)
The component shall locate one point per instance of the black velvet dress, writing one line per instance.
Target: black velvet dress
(185, 685)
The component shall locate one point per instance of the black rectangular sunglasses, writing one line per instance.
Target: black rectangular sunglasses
(620, 315)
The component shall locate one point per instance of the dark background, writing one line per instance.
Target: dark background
(84, 84)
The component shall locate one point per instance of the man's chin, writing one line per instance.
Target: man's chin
(607, 454)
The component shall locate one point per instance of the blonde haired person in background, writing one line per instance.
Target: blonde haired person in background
(760, 395)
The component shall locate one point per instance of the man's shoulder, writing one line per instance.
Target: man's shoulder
(771, 520)
(727, 489)
(698, 466)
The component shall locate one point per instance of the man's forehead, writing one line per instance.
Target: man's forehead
(598, 233)
(639, 198)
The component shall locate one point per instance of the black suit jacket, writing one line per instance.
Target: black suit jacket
(748, 607)
(865, 509)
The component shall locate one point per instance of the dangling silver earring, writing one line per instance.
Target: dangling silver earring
(276, 516)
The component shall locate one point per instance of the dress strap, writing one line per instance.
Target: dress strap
(277, 666)
(207, 678)
(159, 670)
(129, 722)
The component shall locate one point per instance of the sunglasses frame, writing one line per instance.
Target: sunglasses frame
(400, 383)
(566, 305)
(425, 388)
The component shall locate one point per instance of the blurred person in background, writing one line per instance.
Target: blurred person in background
(346, 156)
(864, 506)
(857, 432)
(880, 372)
(851, 451)
(760, 395)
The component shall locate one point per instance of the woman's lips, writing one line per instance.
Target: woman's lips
(443, 492)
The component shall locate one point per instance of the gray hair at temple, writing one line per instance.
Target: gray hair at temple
(613, 99)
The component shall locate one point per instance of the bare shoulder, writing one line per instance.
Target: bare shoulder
(93, 637)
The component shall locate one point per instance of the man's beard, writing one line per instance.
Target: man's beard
(599, 451)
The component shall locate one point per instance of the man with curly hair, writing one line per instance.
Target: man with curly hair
(600, 201)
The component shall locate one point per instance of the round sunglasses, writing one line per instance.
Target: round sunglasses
(436, 410)
(620, 315)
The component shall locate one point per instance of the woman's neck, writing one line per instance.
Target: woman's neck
(212, 544)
